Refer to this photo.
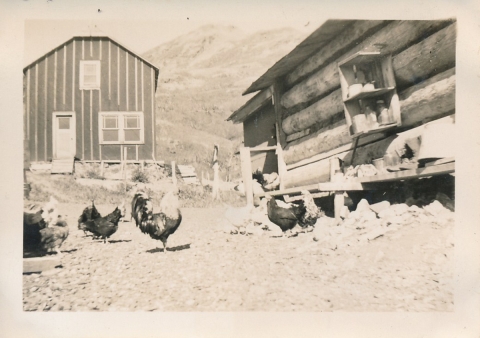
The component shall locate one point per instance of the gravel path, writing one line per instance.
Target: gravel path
(206, 269)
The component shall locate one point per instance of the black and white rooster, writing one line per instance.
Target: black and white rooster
(159, 225)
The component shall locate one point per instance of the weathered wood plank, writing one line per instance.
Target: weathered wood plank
(246, 165)
(429, 100)
(39, 264)
(333, 48)
(320, 110)
(428, 57)
(251, 106)
(393, 39)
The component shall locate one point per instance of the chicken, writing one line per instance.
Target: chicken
(142, 208)
(312, 212)
(53, 236)
(285, 218)
(88, 214)
(160, 225)
(104, 227)
(43, 229)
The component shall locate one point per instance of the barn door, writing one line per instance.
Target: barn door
(63, 135)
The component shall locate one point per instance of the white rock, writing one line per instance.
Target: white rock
(400, 209)
(377, 207)
(434, 208)
(324, 222)
(368, 216)
(363, 205)
(387, 213)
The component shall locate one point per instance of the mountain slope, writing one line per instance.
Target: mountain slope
(202, 76)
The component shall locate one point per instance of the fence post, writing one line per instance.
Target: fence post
(247, 173)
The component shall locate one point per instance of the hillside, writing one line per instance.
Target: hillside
(202, 77)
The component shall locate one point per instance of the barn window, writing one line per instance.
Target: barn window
(89, 74)
(121, 128)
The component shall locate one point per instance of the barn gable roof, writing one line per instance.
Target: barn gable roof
(157, 71)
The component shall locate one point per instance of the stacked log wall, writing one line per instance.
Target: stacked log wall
(424, 67)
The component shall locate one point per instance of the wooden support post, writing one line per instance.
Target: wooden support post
(124, 164)
(174, 175)
(339, 202)
(215, 165)
(247, 173)
(279, 133)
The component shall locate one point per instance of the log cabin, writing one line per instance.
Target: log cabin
(306, 117)
(91, 99)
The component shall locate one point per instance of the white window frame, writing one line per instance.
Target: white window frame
(87, 86)
(121, 127)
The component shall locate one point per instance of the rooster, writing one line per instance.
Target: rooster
(43, 229)
(88, 214)
(160, 225)
(142, 208)
(104, 227)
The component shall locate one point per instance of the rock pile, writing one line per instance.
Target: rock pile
(369, 222)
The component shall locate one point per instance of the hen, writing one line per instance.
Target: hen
(43, 229)
(285, 216)
(104, 227)
(160, 225)
(88, 214)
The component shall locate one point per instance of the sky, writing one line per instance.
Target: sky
(141, 31)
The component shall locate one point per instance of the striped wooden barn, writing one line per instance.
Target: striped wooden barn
(90, 98)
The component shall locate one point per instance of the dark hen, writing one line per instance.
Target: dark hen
(43, 229)
(88, 214)
(163, 224)
(104, 227)
(285, 218)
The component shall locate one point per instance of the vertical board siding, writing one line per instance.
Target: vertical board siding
(68, 104)
(45, 110)
(64, 72)
(127, 107)
(90, 129)
(122, 81)
(36, 113)
(52, 85)
(60, 74)
(49, 106)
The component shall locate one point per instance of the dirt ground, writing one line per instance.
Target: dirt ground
(206, 269)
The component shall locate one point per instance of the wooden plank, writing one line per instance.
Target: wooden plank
(318, 111)
(441, 161)
(338, 202)
(289, 191)
(36, 112)
(394, 38)
(251, 106)
(246, 166)
(413, 173)
(45, 110)
(430, 56)
(39, 264)
(431, 100)
(298, 135)
(262, 149)
(152, 72)
(346, 37)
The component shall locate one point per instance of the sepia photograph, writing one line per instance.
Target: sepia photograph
(220, 164)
